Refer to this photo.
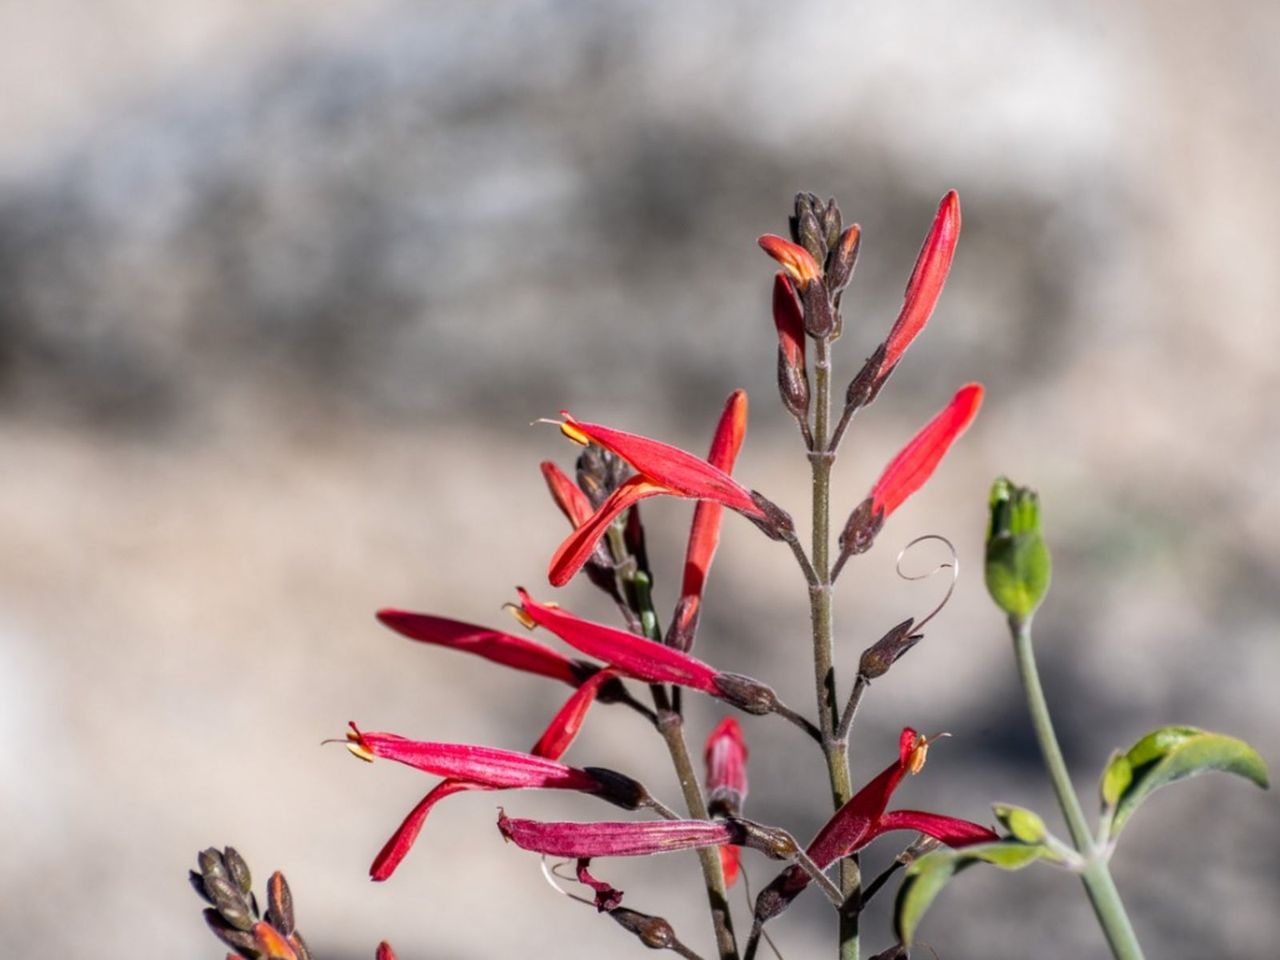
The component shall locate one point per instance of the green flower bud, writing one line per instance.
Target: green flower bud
(1022, 824)
(1018, 564)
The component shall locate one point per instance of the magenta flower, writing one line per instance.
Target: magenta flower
(614, 838)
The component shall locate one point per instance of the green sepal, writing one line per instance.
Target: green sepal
(1115, 779)
(1175, 753)
(926, 877)
(1018, 566)
(1021, 823)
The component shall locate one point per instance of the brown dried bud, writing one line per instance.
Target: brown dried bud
(776, 522)
(654, 932)
(884, 653)
(831, 223)
(238, 869)
(746, 693)
(618, 788)
(774, 842)
(819, 315)
(844, 257)
(866, 385)
(860, 531)
(280, 904)
(232, 937)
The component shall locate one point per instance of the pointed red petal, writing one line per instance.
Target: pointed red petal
(680, 472)
(795, 259)
(573, 503)
(730, 857)
(385, 952)
(630, 655)
(487, 766)
(515, 652)
(952, 831)
(564, 726)
(726, 760)
(927, 278)
(613, 839)
(395, 849)
(704, 534)
(577, 547)
(913, 465)
(789, 320)
(849, 828)
(270, 944)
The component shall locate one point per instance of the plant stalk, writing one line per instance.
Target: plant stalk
(1096, 875)
(835, 750)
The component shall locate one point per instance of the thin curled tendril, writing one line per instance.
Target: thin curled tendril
(552, 874)
(953, 565)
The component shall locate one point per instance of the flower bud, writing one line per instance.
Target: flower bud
(1018, 564)
(884, 653)
(1022, 824)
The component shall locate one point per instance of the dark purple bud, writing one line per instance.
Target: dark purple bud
(819, 316)
(618, 788)
(844, 257)
(226, 896)
(237, 869)
(235, 939)
(884, 653)
(860, 531)
(280, 904)
(746, 693)
(830, 217)
(776, 523)
(808, 230)
(864, 387)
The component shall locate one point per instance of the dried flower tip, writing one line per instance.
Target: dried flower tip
(885, 652)
(775, 522)
(607, 897)
(280, 903)
(746, 693)
(795, 259)
(654, 932)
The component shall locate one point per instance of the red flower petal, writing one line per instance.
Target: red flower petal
(680, 472)
(628, 654)
(952, 831)
(385, 952)
(515, 652)
(395, 849)
(909, 470)
(577, 548)
(483, 765)
(795, 259)
(730, 859)
(564, 726)
(927, 278)
(555, 740)
(726, 759)
(613, 839)
(573, 503)
(270, 944)
(704, 534)
(789, 320)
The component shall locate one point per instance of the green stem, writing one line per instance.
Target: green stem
(1096, 876)
(672, 729)
(835, 750)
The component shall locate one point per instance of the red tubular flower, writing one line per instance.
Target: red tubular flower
(795, 259)
(487, 766)
(704, 534)
(572, 502)
(863, 818)
(385, 952)
(908, 471)
(660, 469)
(925, 285)
(515, 652)
(915, 463)
(614, 839)
(788, 320)
(553, 743)
(629, 654)
(726, 760)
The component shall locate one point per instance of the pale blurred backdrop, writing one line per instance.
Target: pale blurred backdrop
(283, 284)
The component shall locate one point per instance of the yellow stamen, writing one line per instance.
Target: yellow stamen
(574, 434)
(915, 760)
(357, 747)
(521, 616)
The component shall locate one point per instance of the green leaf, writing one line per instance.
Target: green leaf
(1115, 779)
(1022, 824)
(926, 877)
(1175, 753)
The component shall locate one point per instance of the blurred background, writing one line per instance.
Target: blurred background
(282, 286)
